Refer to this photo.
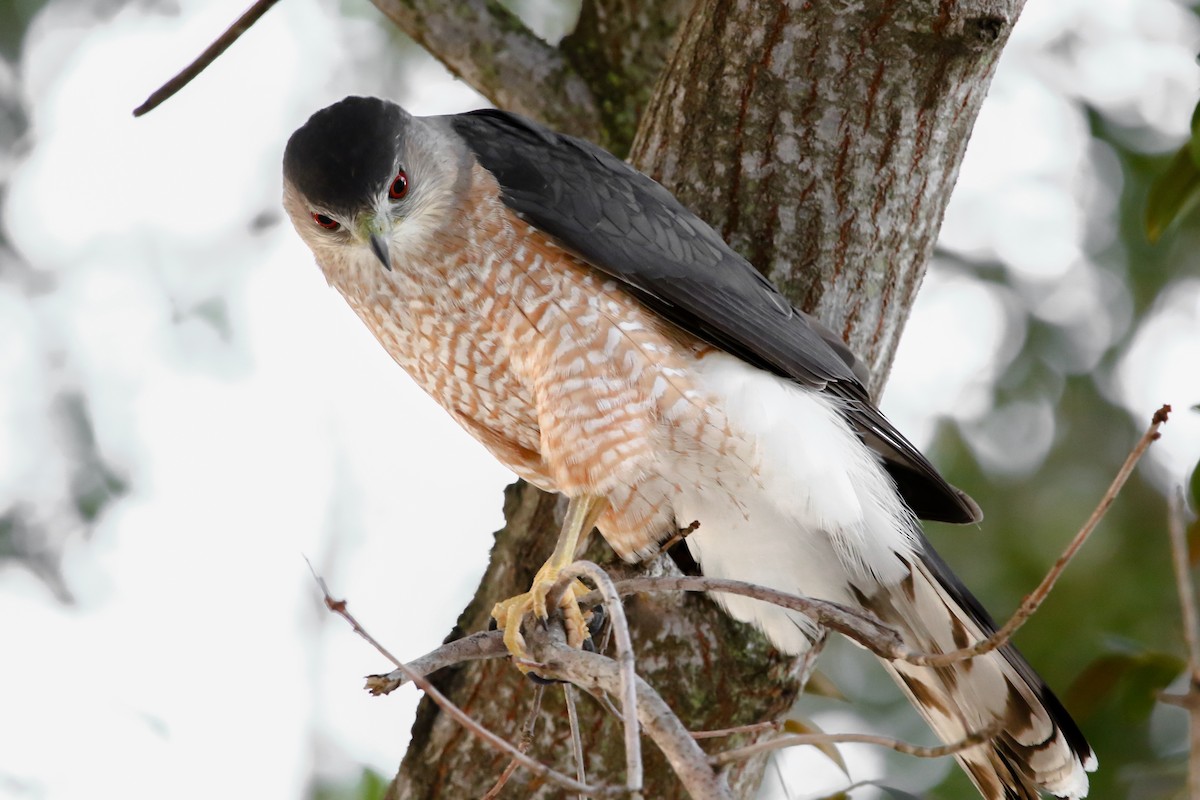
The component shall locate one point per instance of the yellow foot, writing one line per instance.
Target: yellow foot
(510, 613)
(582, 513)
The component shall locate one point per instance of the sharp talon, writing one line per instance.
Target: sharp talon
(510, 614)
(492, 624)
(597, 621)
(540, 681)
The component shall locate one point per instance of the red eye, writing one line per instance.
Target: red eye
(399, 186)
(326, 221)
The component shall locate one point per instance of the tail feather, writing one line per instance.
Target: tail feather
(1039, 747)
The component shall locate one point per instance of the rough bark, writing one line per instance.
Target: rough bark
(823, 140)
(489, 47)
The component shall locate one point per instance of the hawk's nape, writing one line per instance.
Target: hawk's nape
(603, 342)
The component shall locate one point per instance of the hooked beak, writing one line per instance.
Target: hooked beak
(377, 233)
(379, 246)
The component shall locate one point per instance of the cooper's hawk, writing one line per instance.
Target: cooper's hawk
(603, 342)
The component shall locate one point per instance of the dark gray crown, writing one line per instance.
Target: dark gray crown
(346, 154)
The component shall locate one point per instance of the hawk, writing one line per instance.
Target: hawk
(603, 342)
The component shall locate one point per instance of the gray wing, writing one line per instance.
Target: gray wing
(631, 228)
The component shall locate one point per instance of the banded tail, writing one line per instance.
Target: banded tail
(1039, 746)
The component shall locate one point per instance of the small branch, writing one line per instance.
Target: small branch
(1034, 599)
(620, 628)
(527, 731)
(795, 739)
(210, 54)
(679, 536)
(808, 661)
(857, 625)
(476, 647)
(1191, 634)
(458, 715)
(489, 47)
(576, 739)
(593, 672)
(754, 727)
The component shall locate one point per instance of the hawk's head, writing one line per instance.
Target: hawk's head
(364, 180)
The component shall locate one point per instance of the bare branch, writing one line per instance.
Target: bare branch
(527, 731)
(795, 739)
(1034, 599)
(857, 625)
(489, 47)
(620, 628)
(757, 727)
(458, 715)
(576, 739)
(210, 54)
(808, 661)
(593, 672)
(477, 646)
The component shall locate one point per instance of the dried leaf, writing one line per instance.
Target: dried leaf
(822, 685)
(828, 749)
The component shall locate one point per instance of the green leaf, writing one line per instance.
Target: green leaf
(1194, 144)
(1172, 193)
(828, 749)
(370, 786)
(1130, 681)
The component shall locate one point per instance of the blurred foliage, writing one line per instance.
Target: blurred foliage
(1108, 639)
(369, 786)
(1175, 191)
(14, 19)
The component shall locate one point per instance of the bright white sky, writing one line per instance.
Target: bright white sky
(197, 646)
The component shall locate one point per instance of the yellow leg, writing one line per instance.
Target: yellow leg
(582, 513)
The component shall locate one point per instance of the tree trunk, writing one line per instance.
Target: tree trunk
(822, 140)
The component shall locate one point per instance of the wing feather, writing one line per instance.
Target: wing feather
(631, 228)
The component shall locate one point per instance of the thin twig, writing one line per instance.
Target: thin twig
(783, 784)
(210, 54)
(1034, 599)
(795, 739)
(808, 661)
(1191, 634)
(754, 727)
(858, 625)
(527, 731)
(620, 628)
(679, 536)
(457, 714)
(593, 672)
(576, 738)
